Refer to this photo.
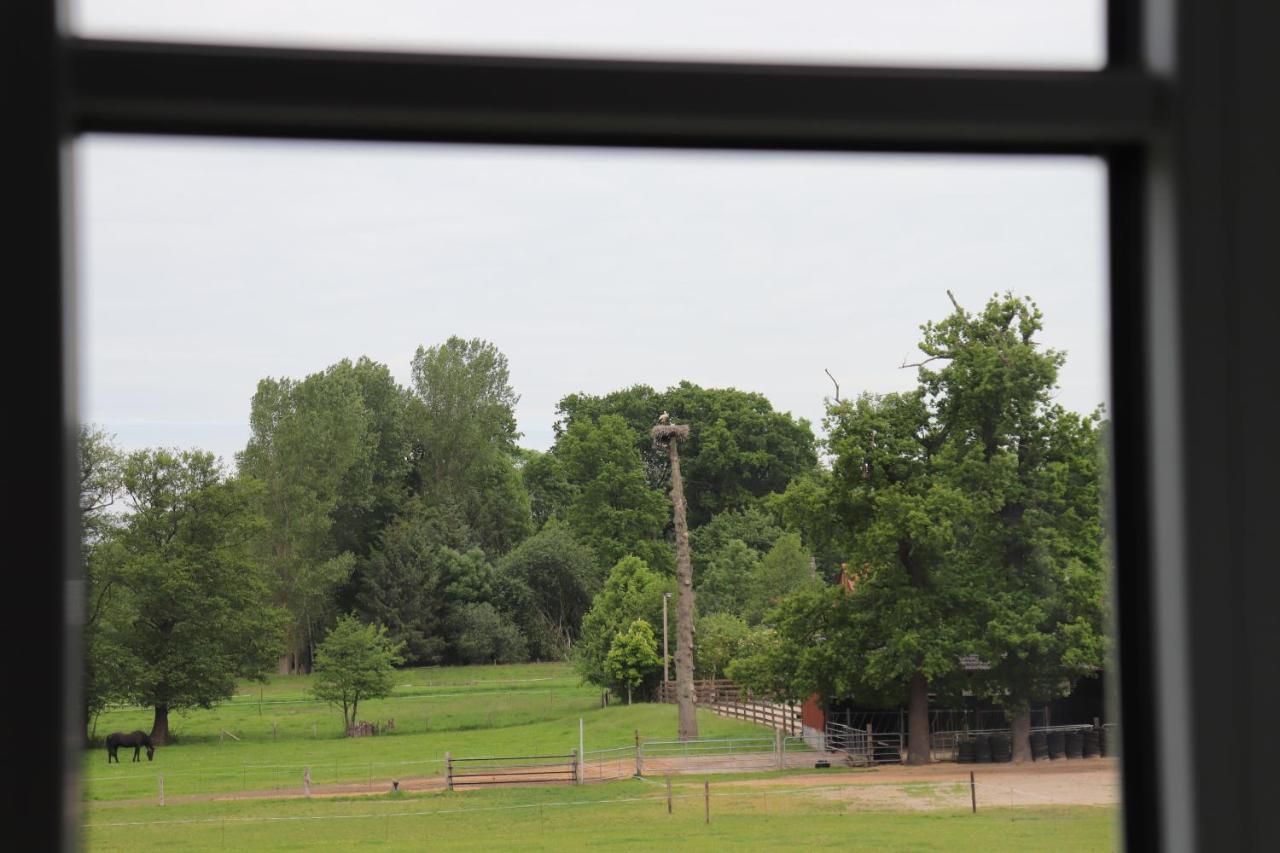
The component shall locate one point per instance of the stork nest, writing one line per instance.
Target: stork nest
(663, 433)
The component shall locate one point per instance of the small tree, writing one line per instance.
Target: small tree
(355, 662)
(633, 657)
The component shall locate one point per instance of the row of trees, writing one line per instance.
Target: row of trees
(411, 507)
(969, 509)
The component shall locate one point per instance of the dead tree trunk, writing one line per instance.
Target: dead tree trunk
(685, 699)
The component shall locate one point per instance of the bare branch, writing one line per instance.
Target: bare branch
(833, 382)
(952, 297)
(904, 364)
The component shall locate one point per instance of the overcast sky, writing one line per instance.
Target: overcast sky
(207, 265)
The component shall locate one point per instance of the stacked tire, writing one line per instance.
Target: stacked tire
(982, 749)
(1001, 748)
(1105, 743)
(964, 752)
(1057, 745)
(1092, 743)
(1075, 744)
(1039, 746)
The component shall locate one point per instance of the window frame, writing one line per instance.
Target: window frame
(1179, 114)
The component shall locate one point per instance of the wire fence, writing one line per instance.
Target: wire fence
(1014, 797)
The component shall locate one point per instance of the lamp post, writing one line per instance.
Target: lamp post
(666, 669)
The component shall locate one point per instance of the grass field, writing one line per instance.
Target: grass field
(215, 787)
(621, 815)
(496, 710)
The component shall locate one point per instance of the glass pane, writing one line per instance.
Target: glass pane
(1015, 33)
(443, 390)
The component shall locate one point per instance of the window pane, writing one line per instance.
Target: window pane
(1059, 34)
(433, 376)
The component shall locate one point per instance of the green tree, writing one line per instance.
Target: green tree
(633, 657)
(375, 487)
(485, 635)
(751, 525)
(547, 583)
(355, 662)
(725, 584)
(739, 449)
(785, 569)
(464, 433)
(547, 484)
(309, 445)
(101, 474)
(632, 591)
(720, 636)
(403, 585)
(1033, 468)
(614, 509)
(191, 615)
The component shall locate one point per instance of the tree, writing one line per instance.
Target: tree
(464, 434)
(632, 591)
(547, 583)
(101, 474)
(614, 509)
(309, 445)
(355, 662)
(727, 580)
(191, 616)
(751, 525)
(783, 570)
(403, 585)
(740, 448)
(1034, 470)
(720, 635)
(486, 636)
(904, 524)
(547, 484)
(633, 657)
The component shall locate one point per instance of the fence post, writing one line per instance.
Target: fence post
(582, 751)
(779, 756)
(577, 766)
(706, 801)
(160, 777)
(668, 793)
(448, 772)
(871, 747)
(639, 754)
(973, 793)
(306, 781)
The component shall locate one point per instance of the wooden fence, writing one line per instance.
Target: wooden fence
(728, 699)
(511, 770)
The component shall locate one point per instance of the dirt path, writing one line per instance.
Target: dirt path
(1083, 782)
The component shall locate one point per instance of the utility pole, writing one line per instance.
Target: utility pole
(667, 436)
(666, 655)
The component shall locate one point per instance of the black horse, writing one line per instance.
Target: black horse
(137, 740)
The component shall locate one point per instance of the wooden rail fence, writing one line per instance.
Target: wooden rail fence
(728, 699)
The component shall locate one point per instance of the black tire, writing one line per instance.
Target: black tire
(964, 752)
(1039, 746)
(1092, 744)
(1075, 744)
(1057, 745)
(1001, 748)
(982, 749)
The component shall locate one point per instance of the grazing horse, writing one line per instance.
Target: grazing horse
(137, 740)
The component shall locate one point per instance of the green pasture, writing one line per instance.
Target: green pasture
(630, 815)
(469, 711)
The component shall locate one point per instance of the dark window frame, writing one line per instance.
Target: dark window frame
(1183, 114)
